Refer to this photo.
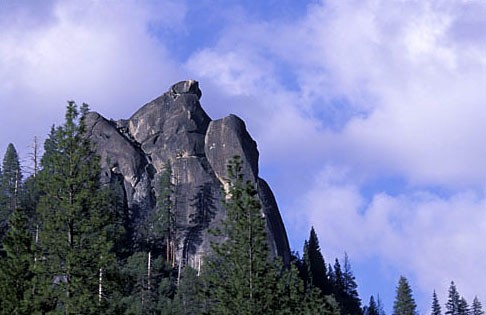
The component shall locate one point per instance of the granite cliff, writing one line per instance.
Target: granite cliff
(175, 129)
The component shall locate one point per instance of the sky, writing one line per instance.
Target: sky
(369, 115)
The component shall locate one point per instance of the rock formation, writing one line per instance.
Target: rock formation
(174, 129)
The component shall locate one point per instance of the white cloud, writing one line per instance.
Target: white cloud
(423, 98)
(411, 74)
(96, 52)
(435, 239)
(414, 94)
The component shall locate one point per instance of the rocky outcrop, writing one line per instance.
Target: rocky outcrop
(174, 129)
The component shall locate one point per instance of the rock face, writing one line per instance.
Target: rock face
(174, 129)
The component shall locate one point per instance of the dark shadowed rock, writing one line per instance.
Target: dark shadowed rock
(174, 129)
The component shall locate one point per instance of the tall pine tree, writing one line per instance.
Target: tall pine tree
(10, 182)
(72, 274)
(477, 308)
(404, 302)
(16, 268)
(453, 301)
(436, 310)
(314, 265)
(239, 272)
(372, 308)
(352, 302)
(463, 306)
(242, 279)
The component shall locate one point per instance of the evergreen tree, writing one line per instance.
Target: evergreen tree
(404, 302)
(315, 267)
(477, 308)
(10, 182)
(345, 288)
(352, 302)
(78, 224)
(16, 268)
(463, 308)
(11, 176)
(166, 217)
(453, 301)
(436, 310)
(239, 273)
(338, 283)
(142, 287)
(372, 308)
(331, 276)
(241, 279)
(190, 297)
(379, 305)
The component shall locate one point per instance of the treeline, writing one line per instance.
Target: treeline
(456, 304)
(69, 246)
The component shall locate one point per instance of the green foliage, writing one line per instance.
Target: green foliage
(350, 301)
(404, 302)
(242, 279)
(78, 223)
(372, 308)
(164, 225)
(16, 269)
(10, 185)
(379, 304)
(345, 288)
(314, 265)
(142, 284)
(240, 270)
(463, 307)
(11, 176)
(190, 298)
(477, 308)
(436, 309)
(453, 301)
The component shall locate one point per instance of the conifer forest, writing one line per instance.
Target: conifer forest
(68, 247)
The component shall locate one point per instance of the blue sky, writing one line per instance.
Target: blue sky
(369, 115)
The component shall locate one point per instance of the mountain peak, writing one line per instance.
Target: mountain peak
(186, 87)
(175, 129)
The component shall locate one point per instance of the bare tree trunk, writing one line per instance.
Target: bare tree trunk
(35, 156)
(100, 286)
(198, 266)
(179, 273)
(149, 271)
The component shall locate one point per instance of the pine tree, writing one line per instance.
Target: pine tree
(372, 308)
(165, 216)
(338, 283)
(379, 305)
(16, 268)
(10, 184)
(404, 302)
(315, 266)
(239, 271)
(477, 308)
(453, 301)
(190, 298)
(78, 224)
(142, 287)
(352, 302)
(463, 308)
(11, 176)
(345, 288)
(436, 310)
